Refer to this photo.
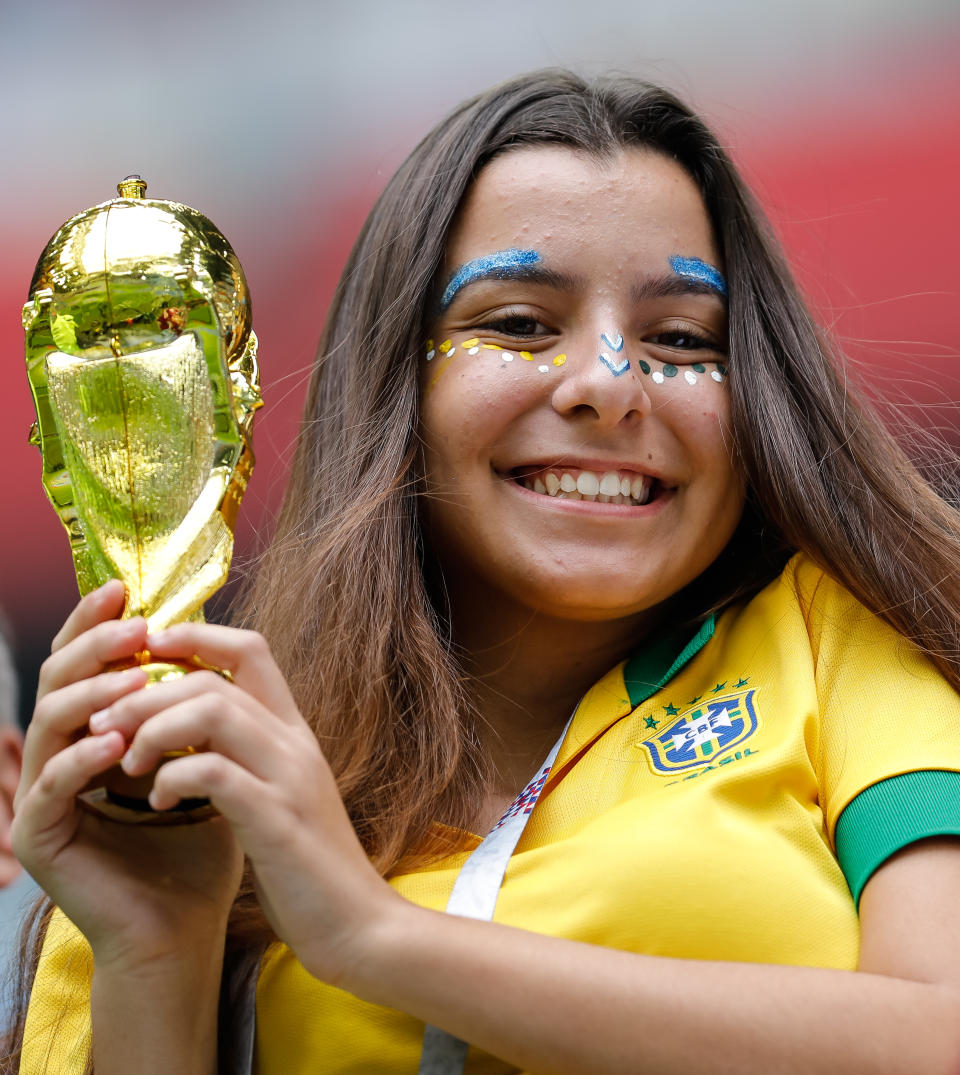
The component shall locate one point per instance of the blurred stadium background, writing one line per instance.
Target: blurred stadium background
(282, 121)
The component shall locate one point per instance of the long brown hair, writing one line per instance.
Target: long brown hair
(342, 595)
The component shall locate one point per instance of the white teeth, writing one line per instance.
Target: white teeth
(586, 485)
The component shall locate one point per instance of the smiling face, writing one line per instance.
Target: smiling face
(575, 403)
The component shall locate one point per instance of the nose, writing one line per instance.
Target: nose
(602, 381)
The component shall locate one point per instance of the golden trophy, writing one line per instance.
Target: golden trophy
(143, 368)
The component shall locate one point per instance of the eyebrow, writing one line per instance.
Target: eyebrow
(699, 271)
(505, 265)
(670, 286)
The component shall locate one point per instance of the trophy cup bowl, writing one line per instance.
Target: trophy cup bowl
(143, 367)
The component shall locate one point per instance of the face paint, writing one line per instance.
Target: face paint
(617, 366)
(614, 345)
(668, 371)
(444, 352)
(502, 266)
(696, 269)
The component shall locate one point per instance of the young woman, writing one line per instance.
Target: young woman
(572, 446)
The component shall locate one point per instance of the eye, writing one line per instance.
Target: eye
(517, 325)
(686, 338)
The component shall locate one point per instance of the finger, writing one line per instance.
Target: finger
(235, 792)
(104, 603)
(126, 714)
(51, 801)
(244, 654)
(61, 714)
(210, 722)
(91, 653)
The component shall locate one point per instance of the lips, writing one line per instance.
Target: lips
(627, 487)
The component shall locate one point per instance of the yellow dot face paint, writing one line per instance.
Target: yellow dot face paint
(559, 360)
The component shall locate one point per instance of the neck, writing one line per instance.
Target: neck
(527, 672)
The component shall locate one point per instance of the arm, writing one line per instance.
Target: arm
(558, 1007)
(151, 902)
(547, 1005)
(158, 1017)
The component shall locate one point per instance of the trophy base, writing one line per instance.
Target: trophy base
(123, 798)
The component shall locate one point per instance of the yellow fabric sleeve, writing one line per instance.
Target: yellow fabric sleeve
(885, 710)
(57, 1037)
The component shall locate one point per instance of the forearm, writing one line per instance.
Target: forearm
(557, 1007)
(157, 1018)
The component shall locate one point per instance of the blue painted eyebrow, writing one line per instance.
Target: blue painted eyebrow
(696, 269)
(501, 265)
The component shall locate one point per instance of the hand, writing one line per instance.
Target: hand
(260, 764)
(137, 893)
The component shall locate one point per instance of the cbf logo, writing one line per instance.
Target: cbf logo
(702, 735)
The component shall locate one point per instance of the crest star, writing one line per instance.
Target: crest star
(742, 681)
(651, 722)
(693, 701)
(671, 710)
(718, 687)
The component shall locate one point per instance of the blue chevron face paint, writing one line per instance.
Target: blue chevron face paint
(696, 269)
(613, 341)
(502, 265)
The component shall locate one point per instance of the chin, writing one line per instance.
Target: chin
(593, 599)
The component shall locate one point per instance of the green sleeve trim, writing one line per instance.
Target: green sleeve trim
(889, 815)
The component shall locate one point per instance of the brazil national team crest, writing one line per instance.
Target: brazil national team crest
(703, 733)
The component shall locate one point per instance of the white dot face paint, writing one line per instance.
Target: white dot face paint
(657, 377)
(506, 356)
(690, 378)
(543, 369)
(473, 350)
(717, 376)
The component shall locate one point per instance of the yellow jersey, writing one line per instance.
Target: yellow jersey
(723, 799)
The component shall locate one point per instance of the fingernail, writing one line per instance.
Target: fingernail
(127, 763)
(100, 720)
(157, 638)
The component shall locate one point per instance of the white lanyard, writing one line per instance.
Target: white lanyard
(474, 895)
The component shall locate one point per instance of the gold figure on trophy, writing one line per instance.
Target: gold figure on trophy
(143, 367)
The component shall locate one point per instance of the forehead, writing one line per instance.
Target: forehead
(558, 200)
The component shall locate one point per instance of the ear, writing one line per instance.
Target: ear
(11, 761)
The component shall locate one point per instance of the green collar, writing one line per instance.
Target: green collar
(657, 663)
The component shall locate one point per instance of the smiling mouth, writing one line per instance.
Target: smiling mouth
(607, 487)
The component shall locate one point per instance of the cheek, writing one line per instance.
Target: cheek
(702, 406)
(486, 363)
